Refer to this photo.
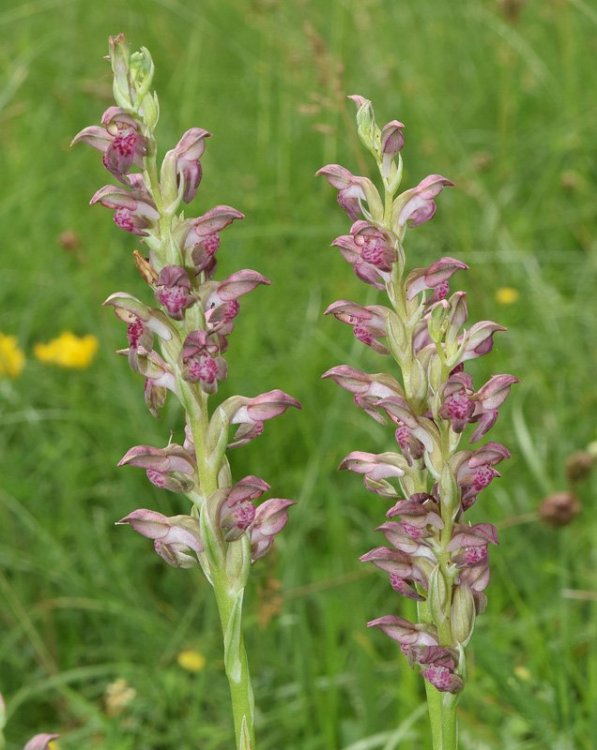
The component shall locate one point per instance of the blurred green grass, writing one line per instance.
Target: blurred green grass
(503, 103)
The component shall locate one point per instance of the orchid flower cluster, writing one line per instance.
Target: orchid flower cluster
(432, 555)
(191, 319)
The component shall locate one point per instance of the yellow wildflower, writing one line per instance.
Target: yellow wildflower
(12, 359)
(68, 350)
(191, 660)
(506, 295)
(53, 745)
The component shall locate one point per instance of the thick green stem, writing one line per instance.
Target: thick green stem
(228, 587)
(236, 662)
(449, 723)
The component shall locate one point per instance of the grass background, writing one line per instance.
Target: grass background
(499, 96)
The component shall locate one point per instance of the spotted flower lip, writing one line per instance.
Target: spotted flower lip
(134, 210)
(369, 251)
(119, 140)
(202, 362)
(173, 290)
(238, 515)
(200, 237)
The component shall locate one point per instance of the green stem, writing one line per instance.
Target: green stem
(228, 587)
(236, 662)
(434, 708)
(449, 722)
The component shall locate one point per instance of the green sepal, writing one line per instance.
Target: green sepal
(368, 129)
(436, 324)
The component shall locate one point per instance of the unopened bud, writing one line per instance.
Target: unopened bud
(579, 465)
(367, 128)
(437, 596)
(560, 508)
(462, 614)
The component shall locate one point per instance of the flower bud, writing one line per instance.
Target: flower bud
(462, 614)
(579, 465)
(560, 508)
(119, 58)
(367, 128)
(141, 72)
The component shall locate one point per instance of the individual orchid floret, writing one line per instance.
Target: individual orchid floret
(438, 666)
(177, 539)
(376, 470)
(392, 138)
(172, 468)
(434, 277)
(119, 140)
(251, 413)
(369, 251)
(415, 541)
(237, 514)
(173, 290)
(353, 192)
(416, 206)
(270, 518)
(404, 632)
(488, 400)
(187, 153)
(469, 553)
(134, 210)
(143, 322)
(201, 238)
(369, 390)
(159, 377)
(475, 470)
(202, 362)
(405, 576)
(41, 742)
(458, 406)
(221, 300)
(369, 323)
(236, 511)
(478, 340)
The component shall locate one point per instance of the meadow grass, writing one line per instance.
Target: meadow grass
(503, 105)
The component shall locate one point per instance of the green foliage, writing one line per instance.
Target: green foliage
(504, 106)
